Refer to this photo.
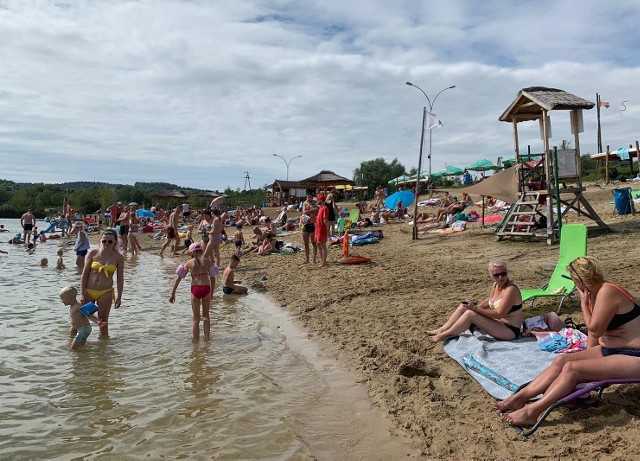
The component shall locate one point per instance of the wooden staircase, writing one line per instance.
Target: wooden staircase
(520, 220)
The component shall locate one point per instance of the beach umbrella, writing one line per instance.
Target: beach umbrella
(399, 180)
(145, 214)
(406, 196)
(483, 165)
(217, 201)
(453, 171)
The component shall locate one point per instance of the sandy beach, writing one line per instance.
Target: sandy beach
(375, 316)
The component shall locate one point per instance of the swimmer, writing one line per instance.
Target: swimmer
(31, 248)
(203, 272)
(80, 327)
(44, 262)
(59, 260)
(2, 229)
(230, 286)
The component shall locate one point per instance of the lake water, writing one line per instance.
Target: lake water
(258, 390)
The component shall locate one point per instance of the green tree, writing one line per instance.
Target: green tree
(377, 172)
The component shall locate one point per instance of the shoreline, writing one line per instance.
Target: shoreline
(374, 317)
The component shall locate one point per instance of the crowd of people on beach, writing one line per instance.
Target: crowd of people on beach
(611, 314)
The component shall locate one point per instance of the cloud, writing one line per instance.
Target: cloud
(197, 93)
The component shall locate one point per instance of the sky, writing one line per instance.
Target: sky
(203, 93)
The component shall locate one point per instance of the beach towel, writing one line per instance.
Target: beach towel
(519, 361)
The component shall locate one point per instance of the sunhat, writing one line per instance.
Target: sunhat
(195, 246)
(320, 197)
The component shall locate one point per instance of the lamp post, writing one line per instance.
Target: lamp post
(287, 163)
(424, 116)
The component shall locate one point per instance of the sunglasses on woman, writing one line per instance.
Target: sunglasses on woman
(107, 241)
(497, 275)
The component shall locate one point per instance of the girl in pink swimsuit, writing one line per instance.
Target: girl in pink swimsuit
(203, 273)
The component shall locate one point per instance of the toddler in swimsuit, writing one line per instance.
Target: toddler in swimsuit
(238, 239)
(80, 326)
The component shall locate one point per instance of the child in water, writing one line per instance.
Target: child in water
(203, 273)
(80, 326)
(230, 286)
(59, 260)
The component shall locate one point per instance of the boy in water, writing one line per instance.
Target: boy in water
(80, 327)
(229, 285)
(59, 260)
(238, 239)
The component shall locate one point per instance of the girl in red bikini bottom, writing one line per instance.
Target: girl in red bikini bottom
(203, 273)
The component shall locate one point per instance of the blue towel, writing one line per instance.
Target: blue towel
(623, 153)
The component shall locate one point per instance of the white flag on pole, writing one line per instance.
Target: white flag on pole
(432, 121)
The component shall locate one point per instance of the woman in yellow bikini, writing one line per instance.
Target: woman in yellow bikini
(97, 277)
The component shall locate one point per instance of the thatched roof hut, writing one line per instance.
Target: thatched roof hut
(169, 194)
(531, 101)
(326, 178)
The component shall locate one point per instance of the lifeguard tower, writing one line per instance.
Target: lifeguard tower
(549, 183)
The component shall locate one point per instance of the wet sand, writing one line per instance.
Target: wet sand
(374, 317)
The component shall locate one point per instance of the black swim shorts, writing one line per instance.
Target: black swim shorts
(227, 290)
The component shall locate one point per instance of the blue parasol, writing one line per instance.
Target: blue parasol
(145, 214)
(406, 196)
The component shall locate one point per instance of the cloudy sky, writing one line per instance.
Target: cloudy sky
(200, 92)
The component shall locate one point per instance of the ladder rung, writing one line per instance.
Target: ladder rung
(521, 223)
(523, 213)
(516, 233)
(526, 203)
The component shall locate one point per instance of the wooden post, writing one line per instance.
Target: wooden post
(606, 167)
(417, 189)
(630, 163)
(516, 144)
(638, 156)
(548, 173)
(576, 143)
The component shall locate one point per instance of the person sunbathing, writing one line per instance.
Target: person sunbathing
(455, 207)
(500, 315)
(612, 317)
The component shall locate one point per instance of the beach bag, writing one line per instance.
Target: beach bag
(622, 200)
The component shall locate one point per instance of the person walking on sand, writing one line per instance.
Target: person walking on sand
(172, 231)
(27, 221)
(321, 234)
(230, 286)
(307, 218)
(238, 239)
(379, 197)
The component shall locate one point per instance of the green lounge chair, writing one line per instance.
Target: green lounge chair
(573, 244)
(354, 215)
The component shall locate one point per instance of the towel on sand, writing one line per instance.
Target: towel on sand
(519, 360)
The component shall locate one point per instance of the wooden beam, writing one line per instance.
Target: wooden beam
(516, 144)
(606, 167)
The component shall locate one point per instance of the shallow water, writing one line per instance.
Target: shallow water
(258, 390)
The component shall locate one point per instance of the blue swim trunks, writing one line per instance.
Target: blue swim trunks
(82, 252)
(83, 334)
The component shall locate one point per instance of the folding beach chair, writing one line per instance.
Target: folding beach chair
(598, 386)
(573, 244)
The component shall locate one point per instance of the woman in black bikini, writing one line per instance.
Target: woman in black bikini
(500, 315)
(613, 349)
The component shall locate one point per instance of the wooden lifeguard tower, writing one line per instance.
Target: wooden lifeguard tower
(550, 180)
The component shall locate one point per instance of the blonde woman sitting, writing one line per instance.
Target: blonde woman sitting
(500, 315)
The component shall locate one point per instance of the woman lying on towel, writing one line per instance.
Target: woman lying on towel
(500, 315)
(613, 319)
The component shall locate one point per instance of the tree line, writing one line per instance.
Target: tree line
(91, 197)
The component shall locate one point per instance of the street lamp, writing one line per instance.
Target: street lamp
(424, 116)
(287, 163)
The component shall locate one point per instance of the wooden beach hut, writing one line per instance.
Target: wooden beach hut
(288, 191)
(326, 180)
(169, 196)
(560, 185)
